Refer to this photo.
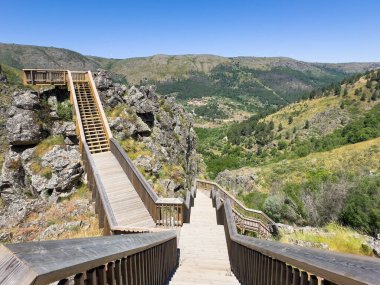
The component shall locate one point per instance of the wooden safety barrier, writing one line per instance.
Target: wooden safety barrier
(45, 77)
(148, 258)
(166, 212)
(246, 219)
(263, 262)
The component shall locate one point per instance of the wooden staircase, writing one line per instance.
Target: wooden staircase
(203, 249)
(93, 126)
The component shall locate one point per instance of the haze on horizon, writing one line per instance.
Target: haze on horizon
(323, 31)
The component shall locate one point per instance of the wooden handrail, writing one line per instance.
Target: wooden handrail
(103, 207)
(256, 261)
(99, 104)
(249, 217)
(147, 258)
(164, 211)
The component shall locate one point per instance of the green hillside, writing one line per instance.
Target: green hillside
(312, 162)
(216, 89)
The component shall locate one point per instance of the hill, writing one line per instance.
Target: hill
(311, 162)
(216, 89)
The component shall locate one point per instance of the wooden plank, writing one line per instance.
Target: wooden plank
(55, 260)
(13, 270)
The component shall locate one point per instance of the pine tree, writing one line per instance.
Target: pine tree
(271, 125)
(363, 97)
(345, 93)
(290, 120)
(307, 124)
(342, 105)
(280, 127)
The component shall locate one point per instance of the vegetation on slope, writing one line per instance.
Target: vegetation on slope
(315, 161)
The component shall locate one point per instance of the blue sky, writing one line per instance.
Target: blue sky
(310, 30)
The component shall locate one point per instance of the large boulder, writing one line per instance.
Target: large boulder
(65, 169)
(111, 94)
(23, 124)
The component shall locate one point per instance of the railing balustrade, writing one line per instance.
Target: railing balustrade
(263, 262)
(246, 219)
(148, 258)
(166, 212)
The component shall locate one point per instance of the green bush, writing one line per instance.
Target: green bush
(64, 111)
(361, 210)
(282, 144)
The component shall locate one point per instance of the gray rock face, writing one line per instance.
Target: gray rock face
(236, 181)
(111, 94)
(65, 129)
(23, 125)
(58, 170)
(18, 210)
(164, 127)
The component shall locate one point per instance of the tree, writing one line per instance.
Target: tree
(342, 105)
(337, 89)
(374, 96)
(368, 84)
(307, 124)
(357, 92)
(363, 97)
(271, 125)
(290, 120)
(280, 127)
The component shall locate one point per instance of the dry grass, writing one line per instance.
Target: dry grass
(364, 156)
(48, 144)
(59, 214)
(37, 168)
(338, 238)
(305, 110)
(135, 148)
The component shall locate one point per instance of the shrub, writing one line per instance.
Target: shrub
(361, 210)
(282, 144)
(48, 144)
(64, 111)
(273, 207)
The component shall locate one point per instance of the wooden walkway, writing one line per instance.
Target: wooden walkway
(128, 208)
(203, 249)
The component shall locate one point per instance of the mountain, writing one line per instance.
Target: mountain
(310, 163)
(214, 88)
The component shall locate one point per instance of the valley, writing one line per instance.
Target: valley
(284, 136)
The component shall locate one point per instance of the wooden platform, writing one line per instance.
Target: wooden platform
(128, 208)
(203, 248)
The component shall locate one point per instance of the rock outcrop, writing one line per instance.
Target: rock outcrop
(237, 181)
(161, 125)
(110, 93)
(23, 125)
(42, 162)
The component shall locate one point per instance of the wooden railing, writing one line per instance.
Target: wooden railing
(79, 76)
(103, 208)
(261, 262)
(148, 258)
(45, 77)
(166, 212)
(246, 219)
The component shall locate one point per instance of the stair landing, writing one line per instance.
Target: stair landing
(127, 206)
(203, 248)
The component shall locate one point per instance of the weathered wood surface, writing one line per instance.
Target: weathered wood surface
(203, 250)
(335, 267)
(245, 218)
(127, 207)
(49, 261)
(12, 270)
